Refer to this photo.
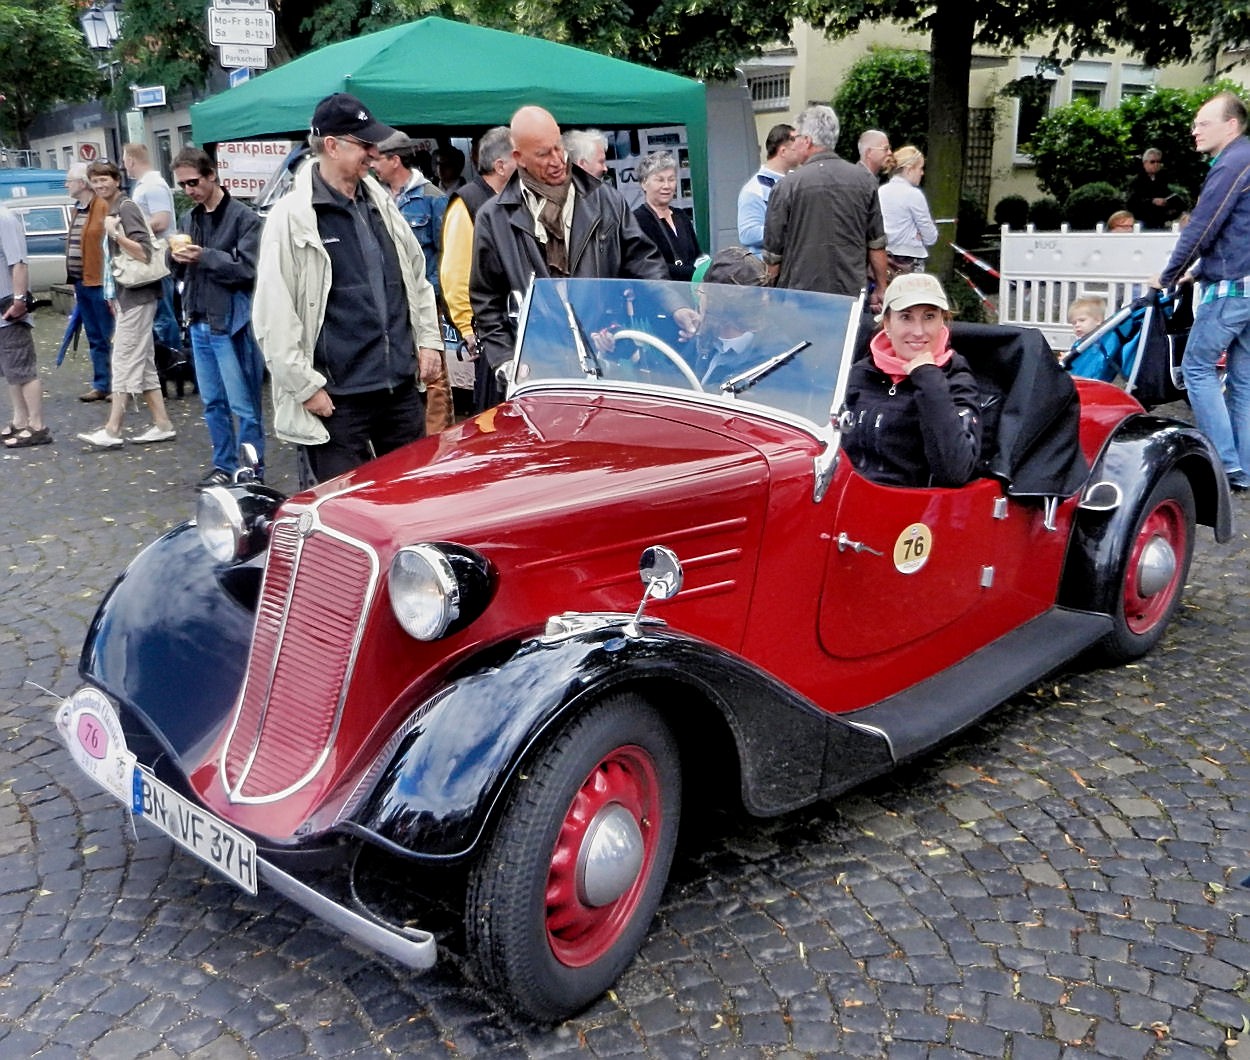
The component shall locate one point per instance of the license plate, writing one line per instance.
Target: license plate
(93, 733)
(196, 830)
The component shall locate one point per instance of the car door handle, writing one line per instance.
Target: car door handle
(845, 543)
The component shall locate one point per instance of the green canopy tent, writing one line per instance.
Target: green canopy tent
(435, 72)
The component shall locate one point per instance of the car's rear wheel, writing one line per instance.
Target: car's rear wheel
(571, 877)
(1159, 552)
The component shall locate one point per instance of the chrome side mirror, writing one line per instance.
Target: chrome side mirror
(661, 574)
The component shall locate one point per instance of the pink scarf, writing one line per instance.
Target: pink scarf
(884, 357)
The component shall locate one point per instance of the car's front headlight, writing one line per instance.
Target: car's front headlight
(234, 523)
(437, 588)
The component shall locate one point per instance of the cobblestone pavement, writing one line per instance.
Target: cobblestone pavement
(1062, 881)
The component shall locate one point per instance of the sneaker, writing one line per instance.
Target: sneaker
(101, 439)
(216, 477)
(154, 434)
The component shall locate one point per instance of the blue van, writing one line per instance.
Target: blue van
(22, 183)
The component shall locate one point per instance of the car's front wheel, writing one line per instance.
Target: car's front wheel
(1155, 569)
(571, 877)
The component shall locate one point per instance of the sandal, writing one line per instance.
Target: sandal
(27, 437)
(10, 430)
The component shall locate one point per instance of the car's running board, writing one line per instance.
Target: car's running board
(915, 720)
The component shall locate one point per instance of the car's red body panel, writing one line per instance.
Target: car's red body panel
(570, 476)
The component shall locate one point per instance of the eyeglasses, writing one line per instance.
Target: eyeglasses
(359, 143)
(194, 182)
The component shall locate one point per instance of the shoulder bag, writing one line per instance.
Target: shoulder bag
(131, 272)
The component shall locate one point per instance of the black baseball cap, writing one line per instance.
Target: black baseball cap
(344, 115)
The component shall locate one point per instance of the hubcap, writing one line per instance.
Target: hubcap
(1154, 571)
(1158, 565)
(611, 856)
(603, 856)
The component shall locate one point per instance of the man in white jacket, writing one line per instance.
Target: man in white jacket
(343, 311)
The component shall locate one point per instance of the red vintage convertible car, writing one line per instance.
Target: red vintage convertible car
(448, 654)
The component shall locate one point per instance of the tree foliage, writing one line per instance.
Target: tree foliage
(699, 38)
(43, 60)
(1079, 144)
(887, 89)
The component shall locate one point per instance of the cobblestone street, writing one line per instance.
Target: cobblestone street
(1061, 881)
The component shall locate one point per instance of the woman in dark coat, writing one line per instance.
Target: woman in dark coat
(914, 402)
(670, 230)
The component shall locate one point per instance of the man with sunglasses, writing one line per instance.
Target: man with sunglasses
(343, 311)
(214, 253)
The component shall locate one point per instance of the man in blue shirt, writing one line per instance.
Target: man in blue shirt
(753, 198)
(1218, 234)
(423, 204)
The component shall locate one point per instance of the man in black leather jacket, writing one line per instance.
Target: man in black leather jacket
(551, 219)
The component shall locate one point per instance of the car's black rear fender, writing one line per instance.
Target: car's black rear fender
(469, 743)
(1138, 454)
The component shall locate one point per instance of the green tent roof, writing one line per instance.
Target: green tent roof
(434, 72)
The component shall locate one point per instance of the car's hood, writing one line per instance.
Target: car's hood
(547, 463)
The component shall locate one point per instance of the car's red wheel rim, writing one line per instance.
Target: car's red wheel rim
(1154, 570)
(603, 856)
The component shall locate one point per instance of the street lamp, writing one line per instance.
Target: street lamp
(101, 25)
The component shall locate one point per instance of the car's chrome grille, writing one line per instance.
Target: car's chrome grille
(313, 604)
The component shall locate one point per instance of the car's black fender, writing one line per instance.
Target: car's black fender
(468, 743)
(1138, 454)
(173, 631)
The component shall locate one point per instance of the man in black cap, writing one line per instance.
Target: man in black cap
(343, 311)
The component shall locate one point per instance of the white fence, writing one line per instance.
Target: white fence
(1042, 272)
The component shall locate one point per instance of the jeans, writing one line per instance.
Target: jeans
(229, 371)
(1223, 324)
(166, 330)
(97, 322)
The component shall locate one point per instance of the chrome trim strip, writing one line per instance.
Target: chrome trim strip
(412, 947)
(722, 404)
(234, 794)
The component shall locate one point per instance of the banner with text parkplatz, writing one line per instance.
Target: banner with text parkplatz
(245, 166)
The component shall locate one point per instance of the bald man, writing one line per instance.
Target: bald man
(540, 224)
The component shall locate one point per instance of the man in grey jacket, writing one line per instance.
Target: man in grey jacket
(343, 311)
(541, 224)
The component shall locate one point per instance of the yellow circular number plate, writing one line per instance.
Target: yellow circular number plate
(911, 550)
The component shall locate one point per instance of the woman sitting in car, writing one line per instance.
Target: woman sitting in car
(914, 403)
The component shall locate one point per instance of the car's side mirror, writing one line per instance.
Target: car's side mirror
(661, 573)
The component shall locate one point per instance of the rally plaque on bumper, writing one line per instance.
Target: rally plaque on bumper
(93, 734)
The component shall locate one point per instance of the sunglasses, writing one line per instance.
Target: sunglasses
(194, 182)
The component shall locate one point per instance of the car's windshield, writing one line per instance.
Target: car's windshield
(772, 347)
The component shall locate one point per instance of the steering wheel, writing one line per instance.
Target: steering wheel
(663, 347)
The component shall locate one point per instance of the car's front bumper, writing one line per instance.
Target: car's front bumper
(92, 733)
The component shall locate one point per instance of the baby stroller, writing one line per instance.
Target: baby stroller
(1142, 344)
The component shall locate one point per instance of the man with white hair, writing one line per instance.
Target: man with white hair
(824, 220)
(588, 148)
(874, 150)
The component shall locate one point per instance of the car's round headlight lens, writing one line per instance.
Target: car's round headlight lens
(220, 522)
(424, 592)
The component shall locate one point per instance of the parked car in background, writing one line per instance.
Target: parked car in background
(514, 654)
(46, 219)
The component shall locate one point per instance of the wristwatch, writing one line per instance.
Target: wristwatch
(23, 298)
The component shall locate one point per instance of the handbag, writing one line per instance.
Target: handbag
(131, 272)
